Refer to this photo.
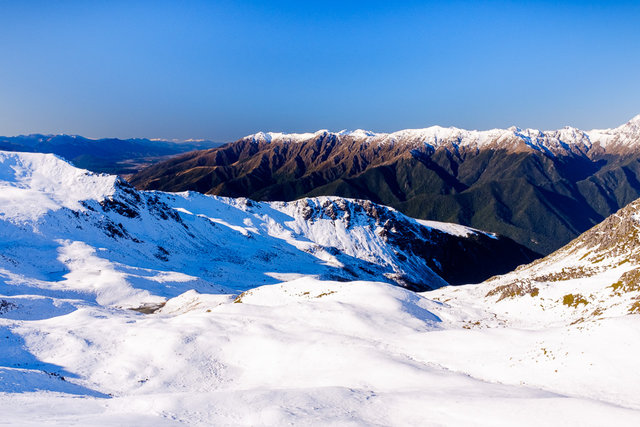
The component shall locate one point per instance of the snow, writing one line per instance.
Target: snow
(358, 133)
(285, 137)
(549, 142)
(625, 135)
(242, 320)
(311, 352)
(32, 184)
(454, 229)
(69, 232)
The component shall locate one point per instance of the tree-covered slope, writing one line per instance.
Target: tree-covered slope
(539, 188)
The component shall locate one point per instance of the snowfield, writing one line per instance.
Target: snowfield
(120, 307)
(313, 352)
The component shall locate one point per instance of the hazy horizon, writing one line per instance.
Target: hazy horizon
(178, 140)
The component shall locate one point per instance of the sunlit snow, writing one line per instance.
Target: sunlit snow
(243, 317)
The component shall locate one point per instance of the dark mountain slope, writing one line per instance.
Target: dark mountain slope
(539, 188)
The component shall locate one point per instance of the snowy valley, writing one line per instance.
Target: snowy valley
(120, 306)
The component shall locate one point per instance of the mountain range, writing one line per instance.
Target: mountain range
(107, 155)
(540, 188)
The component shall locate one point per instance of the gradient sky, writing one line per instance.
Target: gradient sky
(221, 70)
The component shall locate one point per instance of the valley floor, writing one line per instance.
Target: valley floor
(313, 352)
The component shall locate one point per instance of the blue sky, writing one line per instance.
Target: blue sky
(221, 70)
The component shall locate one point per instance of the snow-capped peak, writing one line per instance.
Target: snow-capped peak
(32, 184)
(284, 136)
(634, 121)
(358, 133)
(626, 135)
(632, 126)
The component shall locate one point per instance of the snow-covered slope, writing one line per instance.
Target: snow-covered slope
(310, 352)
(624, 136)
(78, 250)
(578, 309)
(303, 352)
(34, 184)
(596, 276)
(62, 225)
(550, 142)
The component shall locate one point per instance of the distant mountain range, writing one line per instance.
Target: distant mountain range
(107, 155)
(540, 188)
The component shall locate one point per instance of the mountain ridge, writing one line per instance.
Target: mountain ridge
(434, 134)
(541, 190)
(47, 203)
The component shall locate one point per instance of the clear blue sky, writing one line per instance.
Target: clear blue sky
(221, 70)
